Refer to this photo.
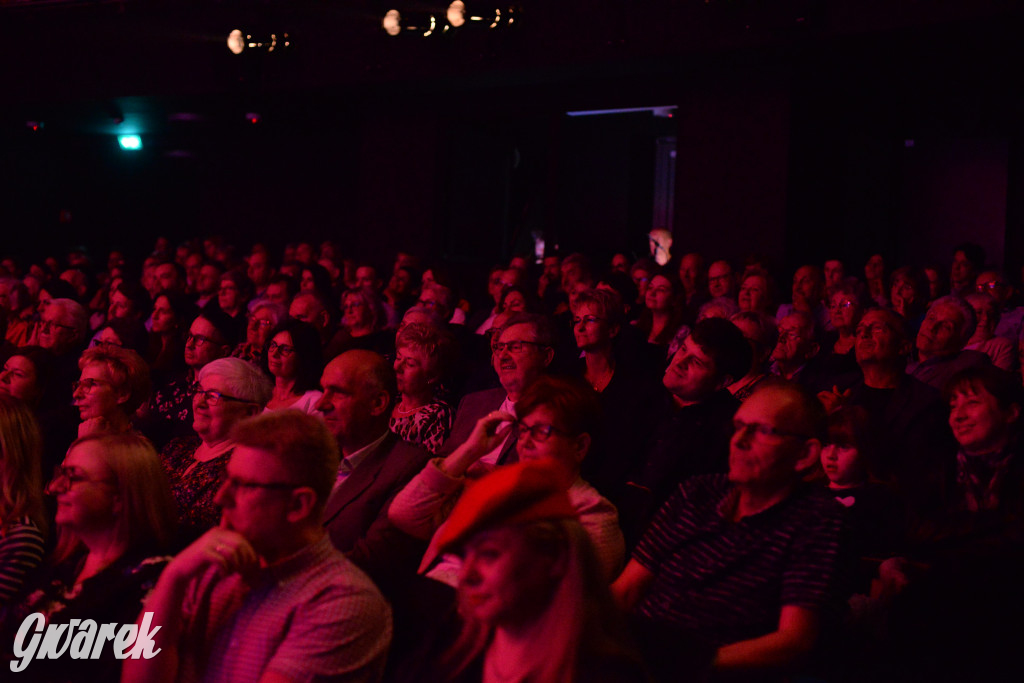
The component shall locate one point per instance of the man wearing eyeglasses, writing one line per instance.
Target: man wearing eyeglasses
(738, 571)
(994, 284)
(520, 353)
(265, 596)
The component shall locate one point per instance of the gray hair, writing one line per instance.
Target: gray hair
(244, 380)
(74, 315)
(277, 311)
(966, 310)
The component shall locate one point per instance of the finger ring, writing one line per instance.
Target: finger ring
(220, 548)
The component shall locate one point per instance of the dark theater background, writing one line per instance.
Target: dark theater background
(795, 128)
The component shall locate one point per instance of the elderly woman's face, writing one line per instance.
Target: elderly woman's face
(844, 311)
(95, 394)
(753, 294)
(281, 356)
(213, 418)
(590, 327)
(414, 370)
(504, 580)
(18, 379)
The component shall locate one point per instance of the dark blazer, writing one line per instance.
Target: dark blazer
(471, 408)
(356, 513)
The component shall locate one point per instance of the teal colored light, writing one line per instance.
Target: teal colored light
(130, 141)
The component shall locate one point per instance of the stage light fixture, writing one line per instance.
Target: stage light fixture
(395, 23)
(481, 14)
(130, 142)
(239, 42)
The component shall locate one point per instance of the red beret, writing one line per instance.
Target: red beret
(515, 494)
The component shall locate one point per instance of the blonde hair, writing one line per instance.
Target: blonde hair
(579, 621)
(146, 522)
(21, 477)
(127, 370)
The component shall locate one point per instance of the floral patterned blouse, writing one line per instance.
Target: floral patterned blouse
(428, 426)
(195, 488)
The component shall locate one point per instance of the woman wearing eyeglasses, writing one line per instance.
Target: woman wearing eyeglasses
(364, 320)
(22, 518)
(113, 384)
(115, 516)
(211, 335)
(226, 391)
(295, 360)
(263, 318)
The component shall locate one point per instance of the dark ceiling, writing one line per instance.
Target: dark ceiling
(147, 67)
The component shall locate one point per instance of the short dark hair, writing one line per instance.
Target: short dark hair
(1002, 385)
(230, 330)
(975, 253)
(725, 344)
(573, 401)
(309, 356)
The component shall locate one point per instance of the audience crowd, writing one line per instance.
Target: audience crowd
(305, 467)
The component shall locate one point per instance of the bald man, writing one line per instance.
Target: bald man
(359, 393)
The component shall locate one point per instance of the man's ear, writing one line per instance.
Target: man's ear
(549, 355)
(809, 457)
(301, 505)
(379, 403)
(123, 396)
(582, 445)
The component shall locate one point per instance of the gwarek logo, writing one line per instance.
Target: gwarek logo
(81, 639)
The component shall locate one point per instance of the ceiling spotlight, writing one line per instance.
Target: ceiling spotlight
(238, 42)
(395, 23)
(456, 14)
(130, 142)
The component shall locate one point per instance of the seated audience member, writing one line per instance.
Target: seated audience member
(532, 599)
(641, 273)
(845, 311)
(908, 294)
(620, 263)
(124, 334)
(874, 277)
(128, 300)
(264, 596)
(364, 322)
(359, 394)
(441, 298)
(28, 376)
(994, 284)
(623, 285)
(423, 357)
(172, 315)
(797, 355)
(1001, 351)
(739, 571)
(401, 292)
(549, 284)
(315, 278)
(692, 426)
(262, 318)
(624, 386)
(555, 420)
(808, 297)
(310, 308)
(663, 312)
(907, 416)
(968, 260)
(113, 384)
(694, 279)
(956, 617)
(721, 280)
(63, 331)
(520, 352)
(947, 327)
(18, 305)
(207, 287)
(294, 360)
(281, 290)
(226, 391)
(835, 274)
(115, 516)
(757, 292)
(22, 516)
(260, 271)
(762, 334)
(872, 517)
(483, 319)
(211, 335)
(234, 293)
